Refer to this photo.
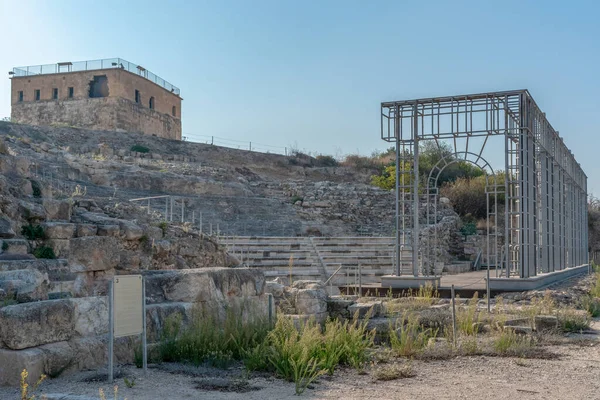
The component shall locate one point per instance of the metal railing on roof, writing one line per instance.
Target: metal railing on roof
(92, 65)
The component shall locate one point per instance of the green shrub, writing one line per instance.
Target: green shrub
(408, 337)
(44, 252)
(139, 148)
(36, 188)
(4, 246)
(508, 343)
(296, 198)
(326, 161)
(32, 232)
(591, 305)
(468, 229)
(571, 320)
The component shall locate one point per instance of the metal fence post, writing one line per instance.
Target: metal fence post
(453, 315)
(111, 331)
(182, 209)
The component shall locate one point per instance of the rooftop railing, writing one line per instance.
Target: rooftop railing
(62, 67)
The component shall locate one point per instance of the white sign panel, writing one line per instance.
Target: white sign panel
(128, 308)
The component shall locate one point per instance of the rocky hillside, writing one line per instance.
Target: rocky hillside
(239, 191)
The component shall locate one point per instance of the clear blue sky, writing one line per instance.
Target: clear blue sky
(313, 73)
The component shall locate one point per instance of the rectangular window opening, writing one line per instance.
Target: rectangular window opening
(20, 97)
(71, 92)
(137, 96)
(99, 86)
(174, 111)
(151, 103)
(36, 94)
(55, 94)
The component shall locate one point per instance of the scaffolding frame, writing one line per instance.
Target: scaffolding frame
(545, 188)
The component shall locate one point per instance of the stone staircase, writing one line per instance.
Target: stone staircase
(319, 257)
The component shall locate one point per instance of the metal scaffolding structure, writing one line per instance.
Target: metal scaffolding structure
(544, 188)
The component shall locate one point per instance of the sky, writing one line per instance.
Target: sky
(311, 75)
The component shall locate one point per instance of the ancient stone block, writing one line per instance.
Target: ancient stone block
(93, 253)
(131, 231)
(6, 230)
(61, 247)
(371, 309)
(91, 315)
(33, 324)
(83, 230)
(57, 209)
(25, 284)
(108, 230)
(311, 301)
(12, 363)
(58, 230)
(16, 246)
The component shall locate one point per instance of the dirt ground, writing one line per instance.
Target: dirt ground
(573, 374)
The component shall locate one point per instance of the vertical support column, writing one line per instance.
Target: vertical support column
(544, 224)
(555, 219)
(415, 190)
(397, 123)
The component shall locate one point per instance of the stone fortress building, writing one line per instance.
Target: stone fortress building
(108, 94)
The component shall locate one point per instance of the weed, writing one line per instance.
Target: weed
(130, 383)
(32, 232)
(469, 346)
(522, 362)
(139, 148)
(393, 371)
(591, 305)
(4, 246)
(595, 290)
(144, 239)
(467, 319)
(571, 320)
(115, 393)
(45, 252)
(408, 337)
(510, 343)
(27, 391)
(305, 370)
(163, 225)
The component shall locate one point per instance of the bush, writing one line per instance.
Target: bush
(32, 232)
(139, 148)
(326, 161)
(44, 252)
(36, 188)
(296, 198)
(408, 337)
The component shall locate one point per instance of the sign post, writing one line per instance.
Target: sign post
(127, 314)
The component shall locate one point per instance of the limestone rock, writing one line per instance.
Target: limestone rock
(61, 247)
(158, 314)
(108, 230)
(16, 246)
(311, 301)
(31, 211)
(25, 285)
(86, 230)
(33, 324)
(12, 363)
(6, 230)
(370, 309)
(337, 306)
(91, 315)
(275, 288)
(131, 231)
(57, 209)
(58, 230)
(201, 285)
(93, 253)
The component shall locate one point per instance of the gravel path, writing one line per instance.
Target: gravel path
(574, 374)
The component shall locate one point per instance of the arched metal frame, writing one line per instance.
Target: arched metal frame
(545, 188)
(429, 260)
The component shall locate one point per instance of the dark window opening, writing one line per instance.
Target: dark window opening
(70, 92)
(36, 94)
(55, 94)
(99, 86)
(20, 96)
(151, 103)
(174, 111)
(137, 96)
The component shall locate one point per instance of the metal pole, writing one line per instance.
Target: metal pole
(171, 219)
(111, 330)
(144, 343)
(148, 206)
(200, 223)
(210, 227)
(415, 253)
(182, 209)
(270, 297)
(166, 208)
(193, 218)
(398, 245)
(453, 315)
(359, 279)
